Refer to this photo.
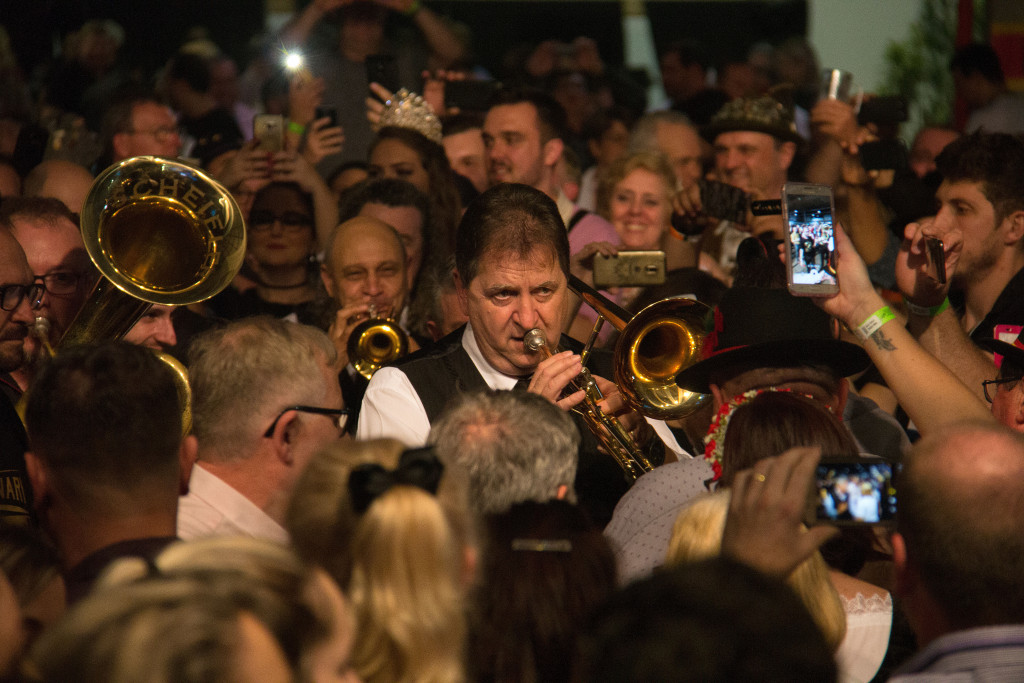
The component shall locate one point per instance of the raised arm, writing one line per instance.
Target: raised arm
(932, 322)
(929, 392)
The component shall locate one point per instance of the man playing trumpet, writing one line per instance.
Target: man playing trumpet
(512, 260)
(366, 272)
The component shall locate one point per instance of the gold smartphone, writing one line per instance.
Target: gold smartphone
(629, 269)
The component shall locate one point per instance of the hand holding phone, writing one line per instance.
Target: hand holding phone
(810, 239)
(268, 129)
(855, 491)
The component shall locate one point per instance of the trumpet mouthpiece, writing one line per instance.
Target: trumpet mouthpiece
(41, 327)
(534, 340)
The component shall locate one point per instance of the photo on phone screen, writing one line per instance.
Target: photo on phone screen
(855, 491)
(810, 239)
(268, 129)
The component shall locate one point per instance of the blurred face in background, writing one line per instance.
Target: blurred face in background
(640, 209)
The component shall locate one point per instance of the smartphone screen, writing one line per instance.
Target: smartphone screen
(810, 239)
(269, 130)
(855, 491)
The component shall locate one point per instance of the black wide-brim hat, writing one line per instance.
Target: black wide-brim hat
(770, 328)
(1012, 351)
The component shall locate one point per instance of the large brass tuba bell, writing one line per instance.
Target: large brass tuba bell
(160, 232)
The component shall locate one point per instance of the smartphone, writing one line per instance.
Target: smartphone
(810, 239)
(329, 113)
(882, 155)
(470, 95)
(269, 130)
(723, 201)
(855, 491)
(629, 269)
(382, 69)
(888, 109)
(935, 253)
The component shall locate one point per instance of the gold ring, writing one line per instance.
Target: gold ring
(759, 477)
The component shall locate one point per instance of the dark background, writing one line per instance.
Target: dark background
(155, 28)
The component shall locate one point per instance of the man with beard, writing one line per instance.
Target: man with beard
(981, 223)
(18, 296)
(48, 233)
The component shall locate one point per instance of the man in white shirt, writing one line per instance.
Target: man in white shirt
(265, 399)
(512, 260)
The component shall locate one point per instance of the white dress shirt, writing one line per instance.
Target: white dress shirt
(392, 408)
(213, 508)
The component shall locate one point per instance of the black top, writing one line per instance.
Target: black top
(1007, 310)
(15, 493)
(441, 372)
(231, 304)
(80, 578)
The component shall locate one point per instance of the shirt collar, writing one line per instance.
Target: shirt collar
(493, 378)
(566, 208)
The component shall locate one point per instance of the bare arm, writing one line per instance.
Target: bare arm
(931, 394)
(445, 47)
(297, 30)
(942, 335)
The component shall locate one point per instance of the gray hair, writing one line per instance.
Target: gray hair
(516, 447)
(644, 137)
(243, 374)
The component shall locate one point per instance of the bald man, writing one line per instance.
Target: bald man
(365, 266)
(958, 554)
(63, 180)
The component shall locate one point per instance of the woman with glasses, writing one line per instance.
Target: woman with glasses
(282, 258)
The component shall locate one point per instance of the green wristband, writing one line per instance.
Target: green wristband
(413, 8)
(874, 323)
(296, 128)
(927, 311)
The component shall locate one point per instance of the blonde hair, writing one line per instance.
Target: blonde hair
(401, 562)
(697, 535)
(655, 162)
(283, 592)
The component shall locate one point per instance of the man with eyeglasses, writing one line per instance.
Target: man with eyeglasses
(138, 126)
(1005, 392)
(48, 233)
(265, 399)
(18, 296)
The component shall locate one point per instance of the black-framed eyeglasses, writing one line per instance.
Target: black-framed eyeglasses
(12, 295)
(60, 281)
(340, 416)
(291, 221)
(1000, 380)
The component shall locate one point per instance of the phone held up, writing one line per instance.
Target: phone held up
(855, 491)
(268, 129)
(630, 269)
(810, 239)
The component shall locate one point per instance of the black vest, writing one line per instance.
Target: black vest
(444, 371)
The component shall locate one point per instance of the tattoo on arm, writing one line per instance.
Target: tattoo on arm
(882, 342)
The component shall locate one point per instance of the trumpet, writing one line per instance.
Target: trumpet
(608, 430)
(654, 346)
(375, 342)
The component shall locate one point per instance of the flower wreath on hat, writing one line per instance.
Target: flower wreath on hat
(714, 442)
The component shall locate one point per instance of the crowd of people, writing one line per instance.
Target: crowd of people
(346, 459)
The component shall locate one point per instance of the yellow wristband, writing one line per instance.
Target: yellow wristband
(874, 323)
